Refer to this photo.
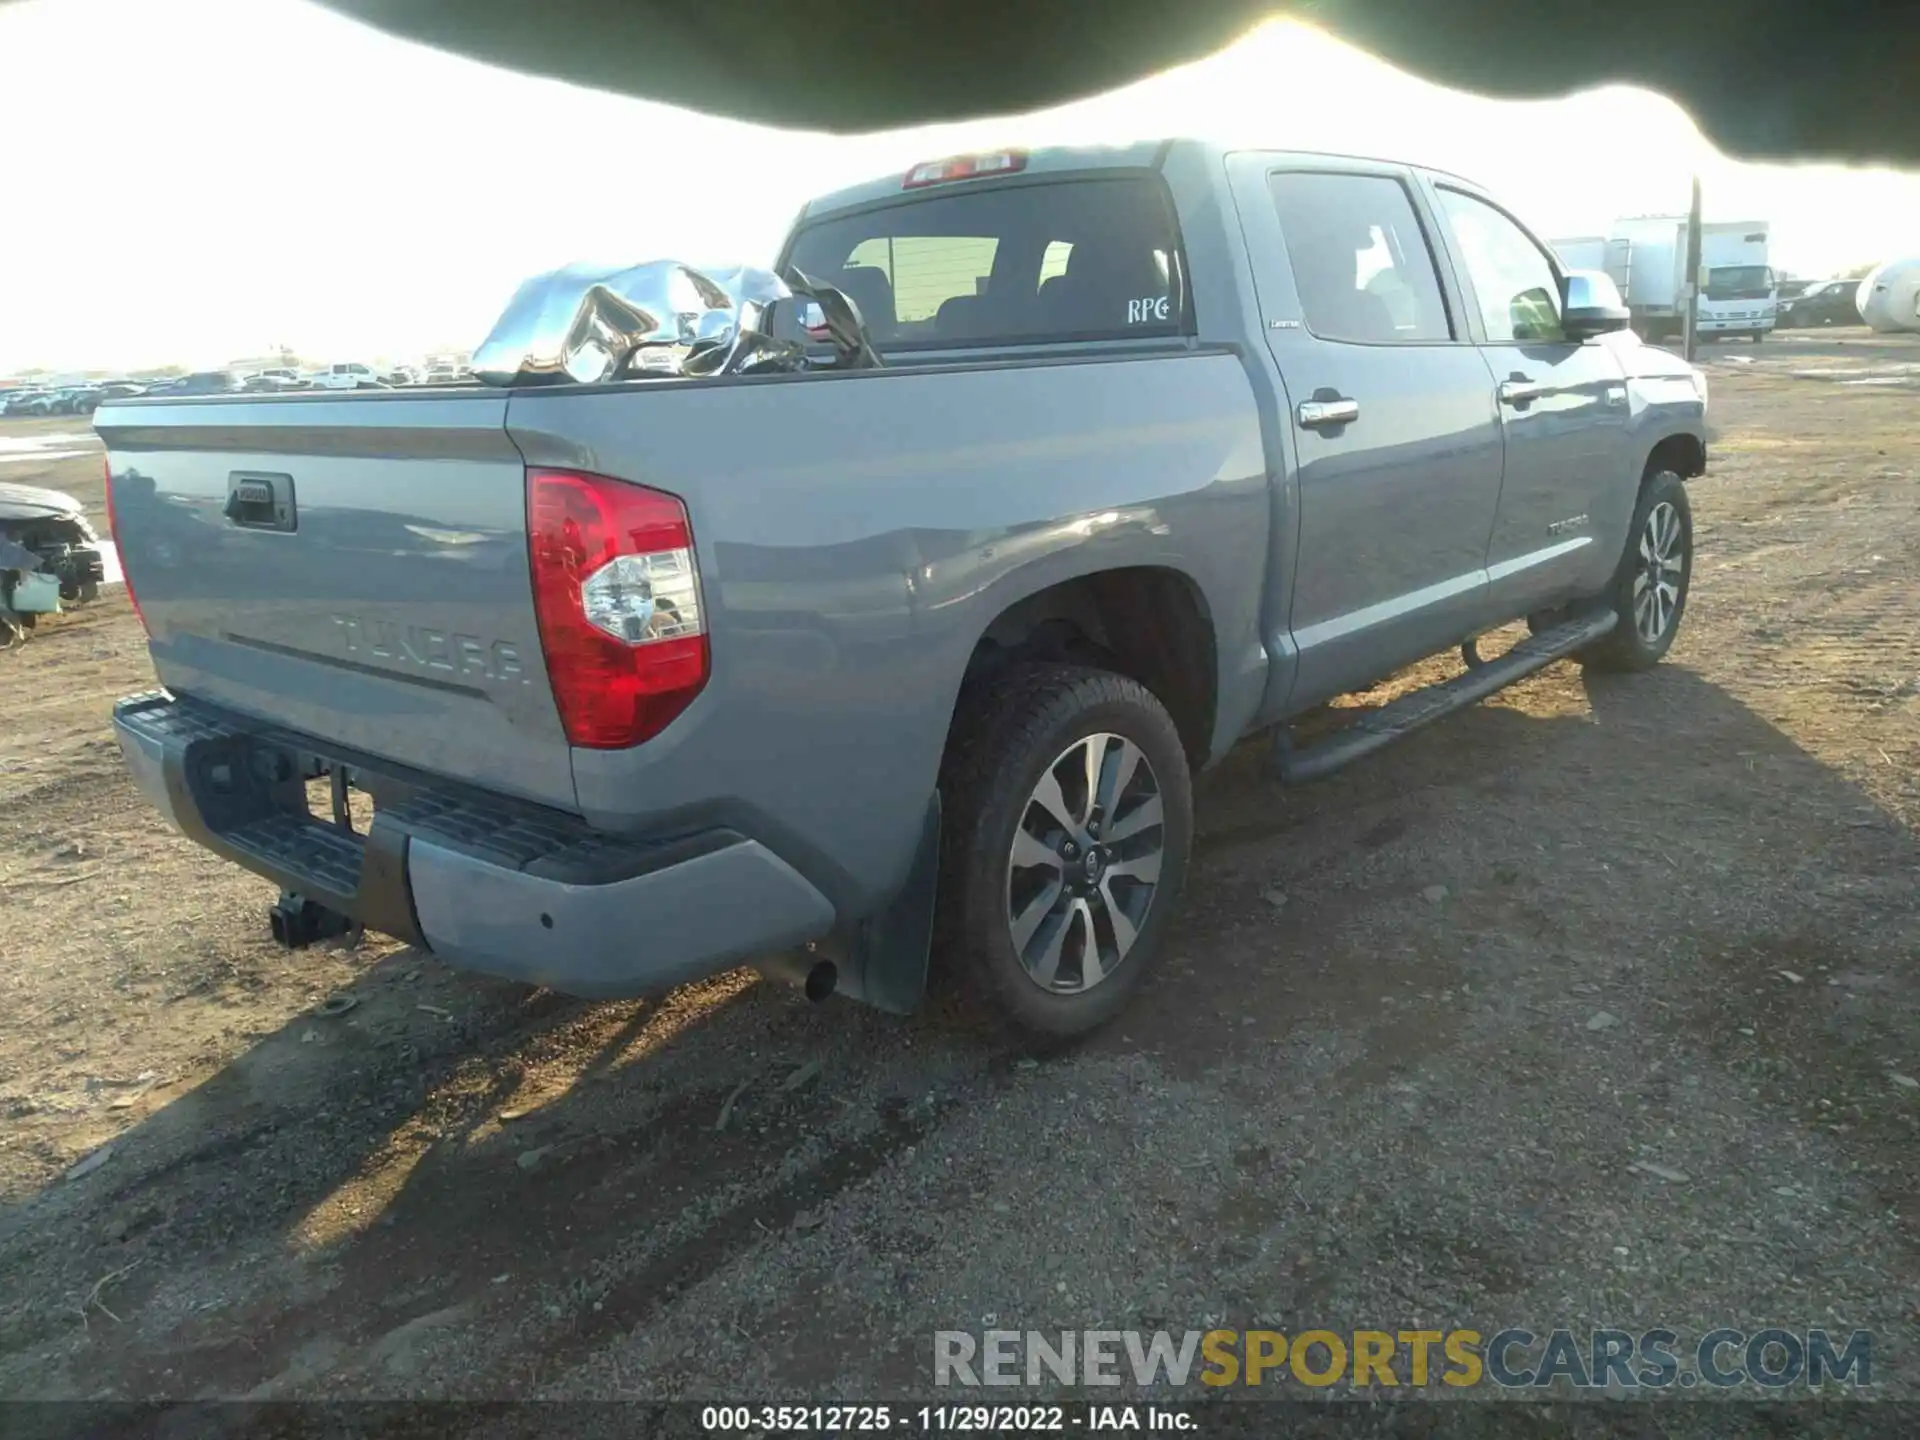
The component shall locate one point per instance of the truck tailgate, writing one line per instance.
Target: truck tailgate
(351, 567)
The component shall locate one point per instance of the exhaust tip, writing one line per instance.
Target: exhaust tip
(817, 981)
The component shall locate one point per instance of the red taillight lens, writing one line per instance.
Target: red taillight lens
(617, 596)
(120, 551)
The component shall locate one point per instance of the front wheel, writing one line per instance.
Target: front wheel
(1068, 822)
(1649, 589)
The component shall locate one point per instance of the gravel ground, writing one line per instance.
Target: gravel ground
(1593, 1006)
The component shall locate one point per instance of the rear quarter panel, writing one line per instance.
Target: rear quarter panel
(857, 534)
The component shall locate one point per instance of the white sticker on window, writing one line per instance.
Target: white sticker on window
(1148, 309)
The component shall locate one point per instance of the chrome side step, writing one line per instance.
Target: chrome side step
(1403, 716)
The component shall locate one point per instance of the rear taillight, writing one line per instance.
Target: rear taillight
(120, 551)
(617, 596)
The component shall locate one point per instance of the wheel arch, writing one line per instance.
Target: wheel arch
(1683, 453)
(1149, 622)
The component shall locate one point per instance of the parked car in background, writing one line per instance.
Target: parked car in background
(1828, 302)
(30, 402)
(914, 655)
(351, 375)
(275, 379)
(55, 400)
(122, 390)
(402, 375)
(205, 382)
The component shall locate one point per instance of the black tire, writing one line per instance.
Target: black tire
(1625, 648)
(1008, 733)
(1757, 336)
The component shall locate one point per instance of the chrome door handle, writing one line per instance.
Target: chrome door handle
(1314, 414)
(1519, 392)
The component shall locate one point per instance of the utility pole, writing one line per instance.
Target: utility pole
(1693, 269)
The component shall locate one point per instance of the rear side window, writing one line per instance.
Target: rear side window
(1360, 260)
(1095, 259)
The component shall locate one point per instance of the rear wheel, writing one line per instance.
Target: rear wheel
(1068, 821)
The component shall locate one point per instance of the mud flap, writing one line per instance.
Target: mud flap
(883, 963)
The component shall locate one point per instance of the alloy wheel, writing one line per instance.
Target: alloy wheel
(1657, 581)
(1085, 863)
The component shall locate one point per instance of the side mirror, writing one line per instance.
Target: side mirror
(1590, 305)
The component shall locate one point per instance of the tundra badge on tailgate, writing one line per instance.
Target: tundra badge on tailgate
(431, 649)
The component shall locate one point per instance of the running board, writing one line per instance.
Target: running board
(1408, 713)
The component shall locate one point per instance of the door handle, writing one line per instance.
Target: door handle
(260, 502)
(1317, 414)
(1519, 392)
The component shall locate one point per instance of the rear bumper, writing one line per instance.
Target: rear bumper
(485, 883)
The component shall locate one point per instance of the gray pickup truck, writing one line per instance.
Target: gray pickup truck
(861, 676)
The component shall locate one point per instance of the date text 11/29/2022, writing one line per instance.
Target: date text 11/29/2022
(942, 1419)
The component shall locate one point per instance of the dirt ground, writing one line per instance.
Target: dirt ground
(1593, 1006)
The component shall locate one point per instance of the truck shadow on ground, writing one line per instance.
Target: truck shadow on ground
(339, 1201)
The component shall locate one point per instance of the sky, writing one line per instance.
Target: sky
(192, 181)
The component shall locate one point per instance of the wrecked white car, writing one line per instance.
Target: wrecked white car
(49, 555)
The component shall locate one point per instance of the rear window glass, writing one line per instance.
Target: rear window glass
(1010, 264)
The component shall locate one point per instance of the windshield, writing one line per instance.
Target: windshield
(1094, 259)
(1737, 281)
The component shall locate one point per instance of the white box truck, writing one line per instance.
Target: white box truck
(1582, 252)
(1737, 294)
(1611, 255)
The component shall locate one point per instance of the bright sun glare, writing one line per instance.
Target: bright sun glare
(197, 180)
